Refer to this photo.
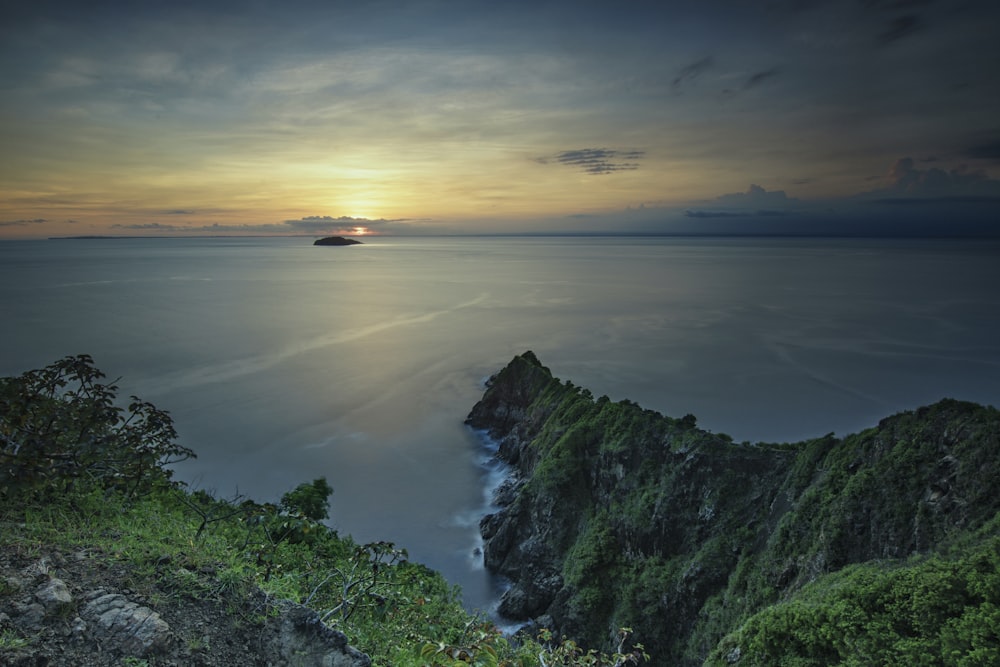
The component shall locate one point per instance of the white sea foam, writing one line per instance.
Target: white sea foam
(494, 473)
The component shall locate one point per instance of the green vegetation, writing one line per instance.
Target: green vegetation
(81, 474)
(876, 548)
(928, 610)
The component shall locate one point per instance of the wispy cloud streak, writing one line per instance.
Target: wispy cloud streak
(598, 161)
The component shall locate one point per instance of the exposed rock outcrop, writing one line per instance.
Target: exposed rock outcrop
(76, 611)
(130, 628)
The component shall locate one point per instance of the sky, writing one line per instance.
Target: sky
(853, 117)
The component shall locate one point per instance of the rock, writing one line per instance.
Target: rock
(114, 626)
(126, 627)
(305, 641)
(506, 492)
(30, 616)
(54, 596)
(79, 628)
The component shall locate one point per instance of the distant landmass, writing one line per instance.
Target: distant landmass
(879, 547)
(336, 240)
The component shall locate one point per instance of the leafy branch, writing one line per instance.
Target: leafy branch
(60, 427)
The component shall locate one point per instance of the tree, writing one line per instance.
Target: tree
(310, 500)
(60, 428)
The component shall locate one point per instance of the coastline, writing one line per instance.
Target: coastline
(495, 475)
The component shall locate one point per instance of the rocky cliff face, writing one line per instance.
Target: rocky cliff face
(618, 516)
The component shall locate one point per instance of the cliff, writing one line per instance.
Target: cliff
(619, 516)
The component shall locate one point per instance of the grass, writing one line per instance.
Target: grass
(11, 641)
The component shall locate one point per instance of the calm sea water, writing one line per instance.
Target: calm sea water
(281, 361)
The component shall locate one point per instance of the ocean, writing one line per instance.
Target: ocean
(280, 361)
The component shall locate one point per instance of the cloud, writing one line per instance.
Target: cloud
(900, 27)
(754, 197)
(598, 161)
(760, 77)
(697, 213)
(178, 211)
(763, 213)
(989, 150)
(691, 72)
(344, 223)
(908, 181)
(151, 226)
(755, 202)
(22, 223)
(752, 81)
(312, 224)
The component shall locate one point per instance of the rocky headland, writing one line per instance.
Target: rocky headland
(717, 552)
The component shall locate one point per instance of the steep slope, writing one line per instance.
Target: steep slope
(619, 516)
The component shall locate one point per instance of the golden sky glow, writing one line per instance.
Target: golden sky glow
(469, 117)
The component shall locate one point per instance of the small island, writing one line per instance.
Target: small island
(335, 240)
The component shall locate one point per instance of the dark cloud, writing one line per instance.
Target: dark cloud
(327, 218)
(907, 180)
(151, 226)
(899, 18)
(312, 224)
(320, 223)
(968, 199)
(21, 223)
(989, 150)
(698, 213)
(763, 213)
(752, 81)
(691, 72)
(598, 161)
(756, 202)
(178, 211)
(760, 77)
(895, 4)
(900, 27)
(756, 197)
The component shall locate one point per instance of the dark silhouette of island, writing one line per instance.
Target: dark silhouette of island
(335, 240)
